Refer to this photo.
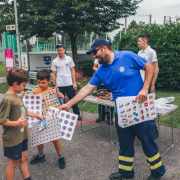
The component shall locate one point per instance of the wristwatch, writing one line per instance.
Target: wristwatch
(53, 85)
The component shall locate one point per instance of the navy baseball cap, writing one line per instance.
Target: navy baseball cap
(96, 43)
(60, 45)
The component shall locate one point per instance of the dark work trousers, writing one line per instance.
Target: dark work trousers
(145, 132)
(70, 93)
(104, 110)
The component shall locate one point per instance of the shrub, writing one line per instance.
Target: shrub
(86, 66)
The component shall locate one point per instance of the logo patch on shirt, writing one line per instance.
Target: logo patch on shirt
(121, 69)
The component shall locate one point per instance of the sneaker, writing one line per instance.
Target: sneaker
(62, 163)
(79, 118)
(153, 178)
(98, 120)
(37, 159)
(117, 176)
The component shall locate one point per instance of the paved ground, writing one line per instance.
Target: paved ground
(91, 155)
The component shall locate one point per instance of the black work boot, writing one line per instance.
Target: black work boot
(110, 122)
(111, 109)
(100, 118)
(117, 176)
(153, 178)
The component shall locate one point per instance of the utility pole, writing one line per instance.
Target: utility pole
(125, 24)
(17, 34)
(56, 40)
(150, 17)
(37, 44)
(164, 20)
(65, 41)
(91, 35)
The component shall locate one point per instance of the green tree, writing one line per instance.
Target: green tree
(6, 17)
(43, 17)
(133, 25)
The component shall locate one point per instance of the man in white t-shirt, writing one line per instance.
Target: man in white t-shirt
(103, 112)
(150, 55)
(63, 75)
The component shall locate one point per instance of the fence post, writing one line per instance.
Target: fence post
(17, 34)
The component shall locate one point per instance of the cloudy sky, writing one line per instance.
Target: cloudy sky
(157, 8)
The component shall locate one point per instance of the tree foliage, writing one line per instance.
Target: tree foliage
(166, 41)
(74, 17)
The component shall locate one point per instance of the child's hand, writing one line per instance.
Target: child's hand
(21, 122)
(41, 117)
(59, 94)
(22, 93)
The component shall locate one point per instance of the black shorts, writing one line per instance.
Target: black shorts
(15, 152)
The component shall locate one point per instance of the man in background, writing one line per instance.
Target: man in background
(150, 55)
(63, 75)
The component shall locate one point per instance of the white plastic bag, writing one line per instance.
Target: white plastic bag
(163, 100)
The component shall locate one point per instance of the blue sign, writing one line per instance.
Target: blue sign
(47, 60)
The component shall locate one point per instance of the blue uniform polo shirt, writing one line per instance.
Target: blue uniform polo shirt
(122, 77)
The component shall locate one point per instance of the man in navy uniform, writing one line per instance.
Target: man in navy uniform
(119, 72)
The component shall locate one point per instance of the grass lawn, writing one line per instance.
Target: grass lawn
(92, 107)
(2, 69)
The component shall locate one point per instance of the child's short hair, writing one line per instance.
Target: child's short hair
(17, 75)
(43, 74)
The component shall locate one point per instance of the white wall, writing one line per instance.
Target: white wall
(36, 59)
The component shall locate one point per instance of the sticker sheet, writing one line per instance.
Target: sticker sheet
(49, 98)
(131, 113)
(51, 132)
(67, 122)
(33, 103)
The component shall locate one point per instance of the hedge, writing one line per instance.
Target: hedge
(86, 66)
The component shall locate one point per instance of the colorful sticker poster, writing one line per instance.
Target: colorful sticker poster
(131, 113)
(68, 122)
(32, 103)
(49, 98)
(51, 132)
